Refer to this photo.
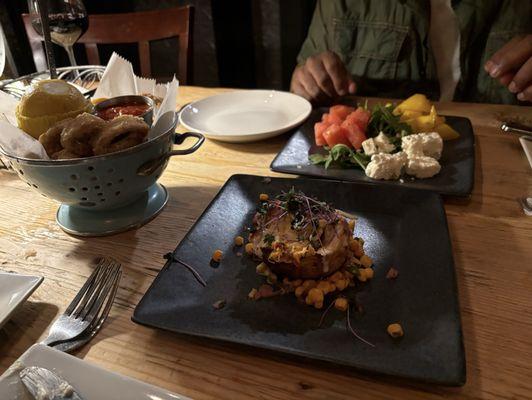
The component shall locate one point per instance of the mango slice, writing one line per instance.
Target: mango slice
(446, 132)
(417, 102)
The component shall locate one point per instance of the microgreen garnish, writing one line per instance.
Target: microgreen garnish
(304, 211)
(350, 329)
(269, 239)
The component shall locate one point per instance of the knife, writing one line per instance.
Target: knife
(514, 127)
(43, 384)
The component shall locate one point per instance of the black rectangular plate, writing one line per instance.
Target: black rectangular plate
(403, 228)
(455, 178)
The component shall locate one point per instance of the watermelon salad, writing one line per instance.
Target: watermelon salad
(387, 142)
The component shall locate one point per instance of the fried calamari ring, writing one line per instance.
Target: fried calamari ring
(51, 139)
(120, 133)
(64, 155)
(79, 134)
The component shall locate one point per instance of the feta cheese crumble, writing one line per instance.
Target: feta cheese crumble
(386, 166)
(377, 145)
(422, 167)
(427, 144)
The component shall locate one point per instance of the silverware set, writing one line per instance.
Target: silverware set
(81, 321)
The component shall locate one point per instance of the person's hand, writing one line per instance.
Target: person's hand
(322, 79)
(512, 66)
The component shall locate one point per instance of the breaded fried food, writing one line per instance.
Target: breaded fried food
(51, 139)
(120, 133)
(64, 155)
(79, 134)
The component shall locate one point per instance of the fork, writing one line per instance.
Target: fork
(86, 306)
(84, 337)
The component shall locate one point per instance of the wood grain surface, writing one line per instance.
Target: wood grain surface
(492, 245)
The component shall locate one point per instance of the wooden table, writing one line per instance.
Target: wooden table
(492, 244)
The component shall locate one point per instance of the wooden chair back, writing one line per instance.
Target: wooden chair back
(137, 27)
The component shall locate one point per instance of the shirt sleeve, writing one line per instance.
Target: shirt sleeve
(316, 41)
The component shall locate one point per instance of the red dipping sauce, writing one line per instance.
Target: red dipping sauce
(135, 109)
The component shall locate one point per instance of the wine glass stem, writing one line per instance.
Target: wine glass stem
(71, 57)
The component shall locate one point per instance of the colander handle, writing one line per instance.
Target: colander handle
(180, 138)
(151, 166)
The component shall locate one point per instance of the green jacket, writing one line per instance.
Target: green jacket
(385, 45)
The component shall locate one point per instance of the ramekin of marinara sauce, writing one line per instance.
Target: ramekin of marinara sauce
(138, 106)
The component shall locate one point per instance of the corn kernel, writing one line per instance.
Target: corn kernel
(326, 287)
(340, 304)
(341, 284)
(297, 283)
(318, 305)
(336, 276)
(217, 255)
(239, 241)
(354, 245)
(300, 290)
(395, 330)
(263, 197)
(262, 269)
(309, 284)
(361, 276)
(252, 293)
(314, 296)
(369, 273)
(366, 261)
(249, 248)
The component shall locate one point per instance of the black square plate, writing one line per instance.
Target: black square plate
(403, 228)
(455, 178)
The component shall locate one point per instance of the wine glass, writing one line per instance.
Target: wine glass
(68, 21)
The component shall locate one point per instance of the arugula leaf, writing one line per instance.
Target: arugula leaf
(340, 152)
(361, 159)
(318, 158)
(384, 120)
(341, 156)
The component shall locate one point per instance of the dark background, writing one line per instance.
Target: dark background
(236, 43)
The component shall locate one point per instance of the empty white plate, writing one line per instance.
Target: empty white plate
(14, 290)
(89, 381)
(245, 115)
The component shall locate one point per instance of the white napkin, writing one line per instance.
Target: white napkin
(18, 143)
(118, 80)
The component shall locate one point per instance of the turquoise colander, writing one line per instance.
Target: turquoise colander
(112, 193)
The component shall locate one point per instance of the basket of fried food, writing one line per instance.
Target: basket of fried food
(97, 159)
